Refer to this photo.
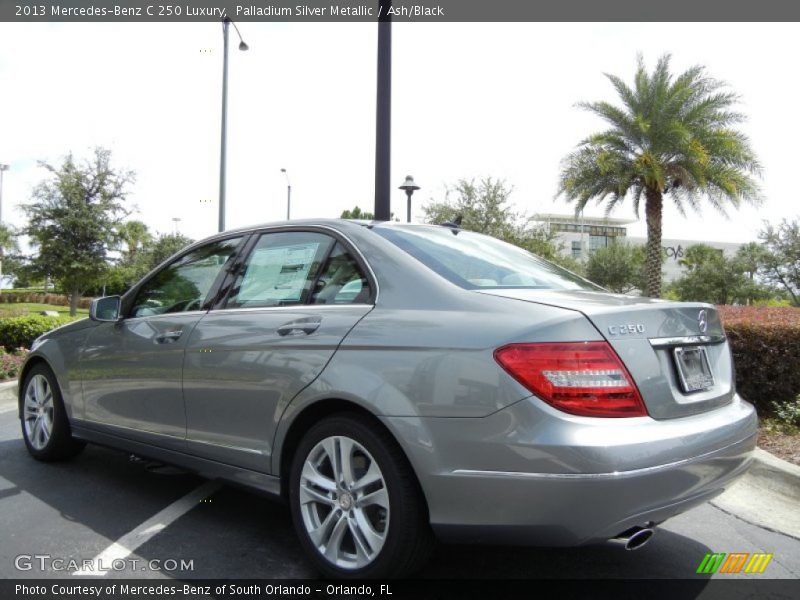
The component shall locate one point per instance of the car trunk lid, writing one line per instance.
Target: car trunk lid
(675, 351)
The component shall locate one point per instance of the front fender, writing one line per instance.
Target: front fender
(61, 353)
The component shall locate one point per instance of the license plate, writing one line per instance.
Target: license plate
(693, 368)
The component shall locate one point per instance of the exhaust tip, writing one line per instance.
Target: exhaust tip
(634, 538)
(639, 539)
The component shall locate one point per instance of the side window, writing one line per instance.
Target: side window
(342, 281)
(281, 269)
(184, 284)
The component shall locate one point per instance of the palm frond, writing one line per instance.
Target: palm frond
(670, 134)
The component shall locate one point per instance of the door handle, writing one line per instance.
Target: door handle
(301, 326)
(167, 337)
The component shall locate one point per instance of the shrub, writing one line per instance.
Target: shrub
(765, 342)
(19, 332)
(788, 412)
(11, 362)
(16, 297)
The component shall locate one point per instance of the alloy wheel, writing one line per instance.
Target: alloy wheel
(344, 502)
(38, 411)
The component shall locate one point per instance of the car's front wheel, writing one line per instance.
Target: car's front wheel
(45, 426)
(355, 502)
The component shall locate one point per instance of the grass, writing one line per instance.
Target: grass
(780, 438)
(23, 309)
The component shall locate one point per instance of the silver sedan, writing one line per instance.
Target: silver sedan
(401, 383)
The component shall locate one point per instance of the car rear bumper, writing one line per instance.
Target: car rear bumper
(521, 477)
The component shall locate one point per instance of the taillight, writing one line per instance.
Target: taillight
(581, 378)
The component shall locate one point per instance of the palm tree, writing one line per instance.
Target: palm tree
(134, 236)
(672, 137)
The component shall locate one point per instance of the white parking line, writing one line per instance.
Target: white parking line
(129, 542)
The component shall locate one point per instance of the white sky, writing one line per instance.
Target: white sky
(469, 100)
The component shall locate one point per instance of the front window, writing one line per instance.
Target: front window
(472, 260)
(185, 284)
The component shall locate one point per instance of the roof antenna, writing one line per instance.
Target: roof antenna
(454, 225)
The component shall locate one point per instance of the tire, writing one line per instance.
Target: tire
(388, 536)
(45, 427)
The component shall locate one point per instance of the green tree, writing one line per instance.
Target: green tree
(699, 255)
(134, 241)
(164, 246)
(710, 276)
(673, 137)
(134, 236)
(138, 261)
(357, 213)
(781, 261)
(484, 207)
(618, 267)
(751, 258)
(72, 221)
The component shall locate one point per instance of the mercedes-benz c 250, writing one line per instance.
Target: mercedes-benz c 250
(400, 383)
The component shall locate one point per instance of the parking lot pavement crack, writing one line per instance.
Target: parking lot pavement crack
(753, 523)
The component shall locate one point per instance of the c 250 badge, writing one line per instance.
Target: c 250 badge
(627, 329)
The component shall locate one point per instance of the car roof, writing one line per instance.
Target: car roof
(342, 224)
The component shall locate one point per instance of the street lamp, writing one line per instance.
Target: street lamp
(410, 187)
(3, 169)
(288, 194)
(224, 135)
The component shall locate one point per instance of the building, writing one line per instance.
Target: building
(581, 235)
(674, 251)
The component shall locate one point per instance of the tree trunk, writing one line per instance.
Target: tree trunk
(653, 209)
(74, 296)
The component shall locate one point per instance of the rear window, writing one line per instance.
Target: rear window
(474, 261)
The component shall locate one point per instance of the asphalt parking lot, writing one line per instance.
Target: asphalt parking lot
(79, 509)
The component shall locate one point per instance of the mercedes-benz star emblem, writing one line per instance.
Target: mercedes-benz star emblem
(702, 321)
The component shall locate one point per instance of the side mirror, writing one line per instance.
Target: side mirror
(105, 309)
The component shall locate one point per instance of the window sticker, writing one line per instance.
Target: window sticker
(277, 274)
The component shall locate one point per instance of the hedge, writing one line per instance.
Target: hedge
(765, 342)
(19, 332)
(12, 297)
(11, 362)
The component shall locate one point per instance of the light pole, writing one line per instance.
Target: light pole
(410, 187)
(288, 195)
(383, 115)
(224, 134)
(176, 220)
(3, 169)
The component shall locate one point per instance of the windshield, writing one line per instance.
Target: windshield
(473, 261)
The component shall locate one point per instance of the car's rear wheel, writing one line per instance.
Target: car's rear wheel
(355, 502)
(45, 427)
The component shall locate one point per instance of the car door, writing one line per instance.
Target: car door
(296, 297)
(132, 369)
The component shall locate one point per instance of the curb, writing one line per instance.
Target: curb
(784, 477)
(766, 496)
(7, 385)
